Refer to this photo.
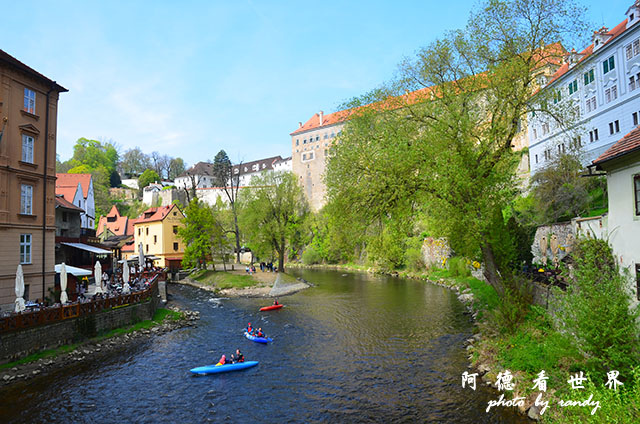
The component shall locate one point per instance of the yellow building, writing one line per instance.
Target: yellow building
(157, 230)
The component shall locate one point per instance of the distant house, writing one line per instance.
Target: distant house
(68, 222)
(149, 191)
(78, 190)
(157, 230)
(621, 162)
(113, 224)
(200, 174)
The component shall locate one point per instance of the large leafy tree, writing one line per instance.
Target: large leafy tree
(176, 168)
(147, 177)
(134, 162)
(197, 234)
(273, 211)
(440, 138)
(224, 178)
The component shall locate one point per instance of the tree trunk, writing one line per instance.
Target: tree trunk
(235, 223)
(491, 269)
(281, 260)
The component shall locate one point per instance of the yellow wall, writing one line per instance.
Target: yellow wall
(158, 238)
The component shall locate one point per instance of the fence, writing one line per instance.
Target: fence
(51, 315)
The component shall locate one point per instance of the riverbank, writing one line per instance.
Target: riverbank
(533, 346)
(240, 284)
(34, 366)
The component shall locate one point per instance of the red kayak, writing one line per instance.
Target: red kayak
(272, 307)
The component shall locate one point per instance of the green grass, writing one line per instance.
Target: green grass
(160, 315)
(223, 280)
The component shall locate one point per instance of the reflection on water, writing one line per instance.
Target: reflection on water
(354, 348)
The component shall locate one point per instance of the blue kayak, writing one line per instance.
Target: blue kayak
(214, 369)
(258, 339)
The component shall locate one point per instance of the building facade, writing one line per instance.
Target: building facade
(28, 128)
(157, 230)
(621, 162)
(78, 190)
(601, 85)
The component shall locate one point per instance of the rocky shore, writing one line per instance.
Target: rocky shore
(93, 350)
(276, 288)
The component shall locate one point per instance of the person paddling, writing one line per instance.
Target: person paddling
(239, 356)
(222, 361)
(260, 333)
(249, 329)
(275, 302)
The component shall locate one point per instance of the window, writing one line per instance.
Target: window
(317, 138)
(614, 127)
(65, 217)
(535, 134)
(27, 148)
(638, 281)
(591, 104)
(636, 186)
(155, 239)
(536, 158)
(561, 148)
(632, 83)
(29, 101)
(26, 199)
(325, 136)
(545, 128)
(576, 143)
(557, 96)
(573, 87)
(175, 229)
(589, 77)
(633, 49)
(634, 117)
(139, 231)
(547, 154)
(304, 141)
(146, 246)
(593, 135)
(25, 248)
(297, 142)
(175, 246)
(304, 156)
(608, 65)
(147, 231)
(610, 94)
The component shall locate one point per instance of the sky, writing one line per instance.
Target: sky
(189, 78)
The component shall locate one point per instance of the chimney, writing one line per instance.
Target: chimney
(299, 124)
(320, 117)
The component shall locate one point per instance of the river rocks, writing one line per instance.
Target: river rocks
(534, 413)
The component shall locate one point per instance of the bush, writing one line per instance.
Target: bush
(458, 267)
(413, 258)
(311, 256)
(597, 312)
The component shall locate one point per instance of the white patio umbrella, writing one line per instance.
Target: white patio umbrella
(125, 279)
(140, 256)
(63, 284)
(19, 290)
(97, 274)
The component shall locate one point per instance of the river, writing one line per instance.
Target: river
(353, 348)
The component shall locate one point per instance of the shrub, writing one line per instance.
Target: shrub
(458, 267)
(597, 312)
(311, 256)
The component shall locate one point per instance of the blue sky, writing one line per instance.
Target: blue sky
(188, 78)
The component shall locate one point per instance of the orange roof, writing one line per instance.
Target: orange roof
(627, 144)
(615, 32)
(155, 214)
(114, 222)
(65, 181)
(68, 193)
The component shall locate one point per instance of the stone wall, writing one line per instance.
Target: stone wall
(19, 344)
(435, 252)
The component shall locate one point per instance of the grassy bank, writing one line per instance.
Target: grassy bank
(160, 316)
(222, 279)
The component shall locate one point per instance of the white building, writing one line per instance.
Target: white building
(622, 165)
(201, 174)
(78, 190)
(603, 85)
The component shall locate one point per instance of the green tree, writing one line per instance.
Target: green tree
(134, 162)
(224, 178)
(446, 148)
(176, 168)
(147, 177)
(197, 234)
(273, 211)
(95, 154)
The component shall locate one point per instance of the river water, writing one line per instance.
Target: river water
(354, 348)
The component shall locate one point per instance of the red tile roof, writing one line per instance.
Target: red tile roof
(615, 32)
(627, 144)
(114, 222)
(72, 180)
(155, 214)
(62, 203)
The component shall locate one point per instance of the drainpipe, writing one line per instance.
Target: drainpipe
(44, 191)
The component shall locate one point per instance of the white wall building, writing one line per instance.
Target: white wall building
(78, 189)
(622, 165)
(603, 85)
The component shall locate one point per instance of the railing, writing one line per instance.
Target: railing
(50, 315)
